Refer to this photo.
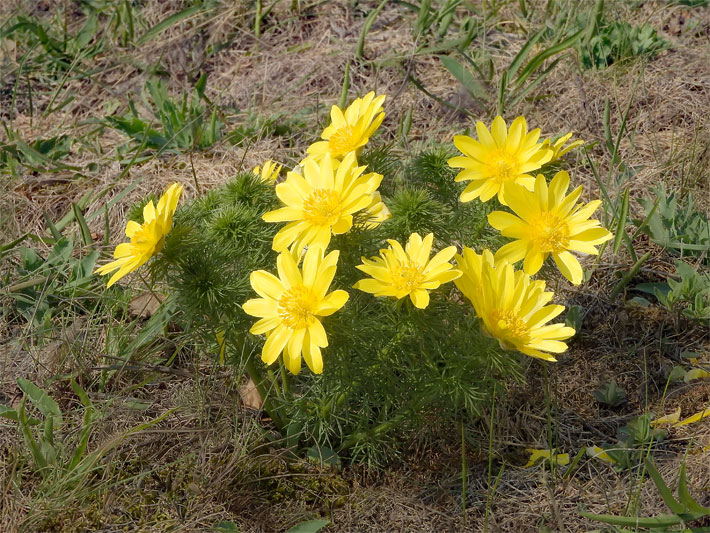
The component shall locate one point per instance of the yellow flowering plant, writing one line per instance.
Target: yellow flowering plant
(337, 266)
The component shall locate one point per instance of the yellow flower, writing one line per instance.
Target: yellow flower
(408, 272)
(349, 131)
(321, 202)
(268, 172)
(498, 159)
(512, 307)
(147, 239)
(377, 212)
(558, 148)
(549, 222)
(290, 305)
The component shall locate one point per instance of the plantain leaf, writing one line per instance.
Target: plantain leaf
(464, 76)
(43, 401)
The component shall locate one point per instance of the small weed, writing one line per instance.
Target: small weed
(611, 42)
(685, 509)
(610, 394)
(634, 442)
(185, 125)
(41, 155)
(43, 286)
(676, 226)
(688, 296)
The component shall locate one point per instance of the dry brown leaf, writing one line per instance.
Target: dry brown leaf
(144, 305)
(250, 395)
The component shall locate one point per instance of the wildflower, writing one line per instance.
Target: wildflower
(512, 307)
(290, 305)
(498, 159)
(549, 222)
(408, 272)
(558, 148)
(321, 202)
(351, 130)
(268, 172)
(147, 239)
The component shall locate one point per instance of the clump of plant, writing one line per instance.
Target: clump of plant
(634, 440)
(174, 126)
(687, 296)
(675, 225)
(376, 288)
(608, 42)
(684, 509)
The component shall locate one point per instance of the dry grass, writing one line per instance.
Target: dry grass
(211, 459)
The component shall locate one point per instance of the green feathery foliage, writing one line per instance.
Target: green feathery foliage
(389, 367)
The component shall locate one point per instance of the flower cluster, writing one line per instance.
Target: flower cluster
(318, 203)
(329, 193)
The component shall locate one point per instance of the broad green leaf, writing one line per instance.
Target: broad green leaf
(464, 76)
(663, 489)
(310, 526)
(43, 401)
(685, 497)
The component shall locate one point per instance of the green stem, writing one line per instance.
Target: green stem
(380, 428)
(259, 381)
(285, 382)
(490, 461)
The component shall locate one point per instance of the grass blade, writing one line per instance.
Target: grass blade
(621, 225)
(685, 497)
(624, 281)
(359, 51)
(524, 51)
(540, 58)
(83, 227)
(164, 24)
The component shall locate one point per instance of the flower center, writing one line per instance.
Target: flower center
(297, 307)
(323, 207)
(504, 167)
(509, 326)
(550, 233)
(407, 277)
(342, 141)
